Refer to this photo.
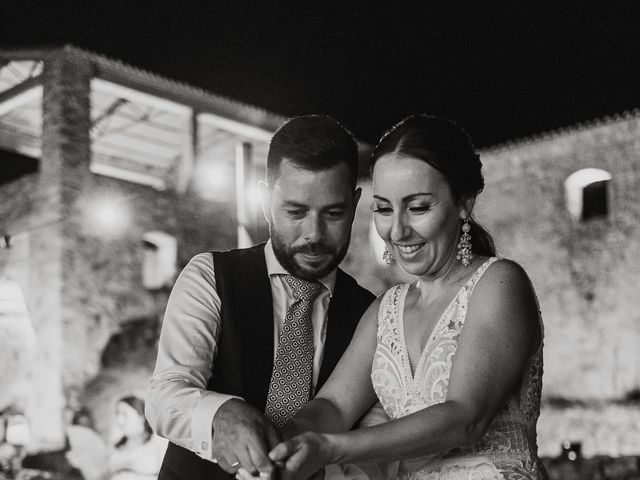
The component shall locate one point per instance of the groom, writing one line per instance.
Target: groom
(250, 335)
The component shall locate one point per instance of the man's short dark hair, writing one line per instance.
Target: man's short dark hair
(312, 142)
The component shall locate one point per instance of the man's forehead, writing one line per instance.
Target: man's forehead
(313, 188)
(289, 165)
(291, 174)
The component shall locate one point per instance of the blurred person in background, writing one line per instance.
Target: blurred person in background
(137, 452)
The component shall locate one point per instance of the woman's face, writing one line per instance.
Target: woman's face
(415, 213)
(130, 422)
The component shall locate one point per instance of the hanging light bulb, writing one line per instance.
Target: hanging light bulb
(107, 215)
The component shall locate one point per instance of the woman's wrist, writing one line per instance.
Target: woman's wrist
(331, 446)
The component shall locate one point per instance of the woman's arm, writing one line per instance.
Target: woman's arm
(348, 393)
(500, 333)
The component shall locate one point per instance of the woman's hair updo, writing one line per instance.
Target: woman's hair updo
(445, 146)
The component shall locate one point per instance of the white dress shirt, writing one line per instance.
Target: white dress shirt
(178, 405)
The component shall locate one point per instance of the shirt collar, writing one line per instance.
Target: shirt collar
(275, 268)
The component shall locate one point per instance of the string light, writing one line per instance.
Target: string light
(214, 181)
(106, 215)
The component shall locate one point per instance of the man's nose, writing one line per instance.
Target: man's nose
(314, 229)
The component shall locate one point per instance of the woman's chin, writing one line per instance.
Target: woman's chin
(412, 268)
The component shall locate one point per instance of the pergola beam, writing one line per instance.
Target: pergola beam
(129, 170)
(20, 94)
(143, 98)
(139, 97)
(187, 160)
(233, 126)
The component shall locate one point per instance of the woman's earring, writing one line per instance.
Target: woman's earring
(464, 246)
(387, 257)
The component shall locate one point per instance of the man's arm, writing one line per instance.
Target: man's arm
(178, 405)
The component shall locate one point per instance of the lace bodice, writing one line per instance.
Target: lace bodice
(509, 445)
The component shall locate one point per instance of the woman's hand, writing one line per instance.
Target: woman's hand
(303, 456)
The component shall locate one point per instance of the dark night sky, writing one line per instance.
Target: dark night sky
(503, 69)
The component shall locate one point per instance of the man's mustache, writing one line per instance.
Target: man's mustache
(313, 248)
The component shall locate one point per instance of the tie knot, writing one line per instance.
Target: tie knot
(303, 289)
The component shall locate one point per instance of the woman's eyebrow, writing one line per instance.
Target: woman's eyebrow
(408, 197)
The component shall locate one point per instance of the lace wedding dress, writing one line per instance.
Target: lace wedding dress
(508, 450)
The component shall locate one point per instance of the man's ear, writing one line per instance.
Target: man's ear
(356, 197)
(265, 196)
(357, 193)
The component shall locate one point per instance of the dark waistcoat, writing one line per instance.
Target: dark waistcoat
(245, 348)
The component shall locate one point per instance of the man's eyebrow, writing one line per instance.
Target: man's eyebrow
(293, 203)
(335, 205)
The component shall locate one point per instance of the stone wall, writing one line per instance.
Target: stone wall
(596, 468)
(98, 278)
(105, 285)
(611, 429)
(586, 274)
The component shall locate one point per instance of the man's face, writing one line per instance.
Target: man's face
(310, 216)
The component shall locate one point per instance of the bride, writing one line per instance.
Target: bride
(455, 356)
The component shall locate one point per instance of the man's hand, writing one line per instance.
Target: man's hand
(241, 433)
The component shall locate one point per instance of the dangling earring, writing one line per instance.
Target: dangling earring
(387, 257)
(464, 246)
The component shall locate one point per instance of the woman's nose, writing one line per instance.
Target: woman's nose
(400, 228)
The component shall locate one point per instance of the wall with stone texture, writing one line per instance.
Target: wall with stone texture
(597, 468)
(611, 429)
(98, 279)
(15, 368)
(586, 274)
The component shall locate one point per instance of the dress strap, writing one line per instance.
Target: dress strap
(389, 303)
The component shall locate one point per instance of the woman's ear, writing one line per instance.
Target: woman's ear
(467, 207)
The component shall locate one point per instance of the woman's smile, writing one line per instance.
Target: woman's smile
(409, 250)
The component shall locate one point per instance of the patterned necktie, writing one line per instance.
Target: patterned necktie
(290, 385)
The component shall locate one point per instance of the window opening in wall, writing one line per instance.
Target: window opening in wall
(14, 165)
(594, 200)
(587, 193)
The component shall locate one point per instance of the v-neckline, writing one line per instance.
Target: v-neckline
(436, 327)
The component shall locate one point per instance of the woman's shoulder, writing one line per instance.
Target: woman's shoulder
(502, 273)
(505, 287)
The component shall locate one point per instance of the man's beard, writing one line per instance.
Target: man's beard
(286, 256)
